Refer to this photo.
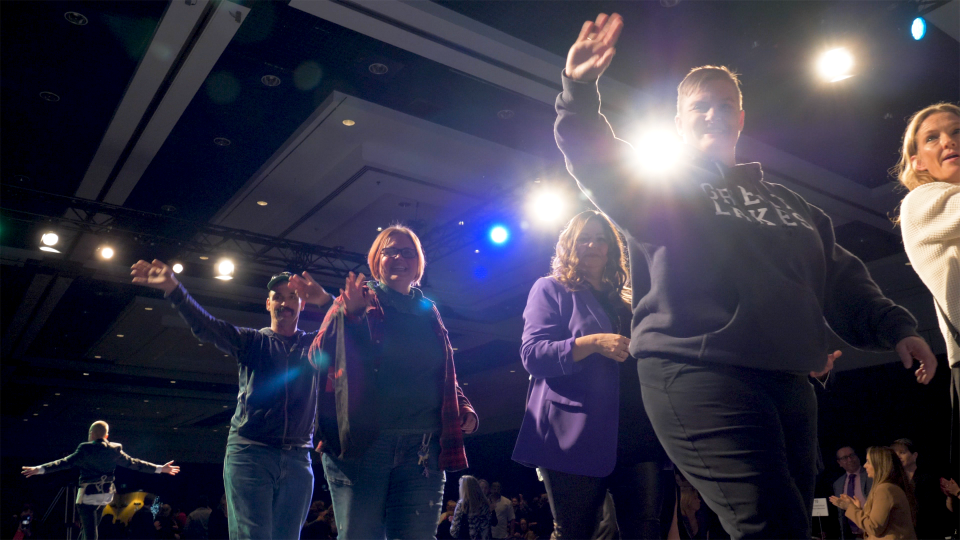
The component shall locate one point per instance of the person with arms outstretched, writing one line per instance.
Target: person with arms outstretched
(97, 460)
(267, 471)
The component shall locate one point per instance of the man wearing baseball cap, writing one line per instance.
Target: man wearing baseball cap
(267, 471)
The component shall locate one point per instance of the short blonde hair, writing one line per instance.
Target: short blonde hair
(904, 170)
(373, 257)
(99, 429)
(700, 76)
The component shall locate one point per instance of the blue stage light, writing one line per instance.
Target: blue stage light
(918, 29)
(499, 234)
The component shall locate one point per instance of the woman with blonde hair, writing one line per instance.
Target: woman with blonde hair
(930, 222)
(392, 416)
(889, 512)
(473, 517)
(585, 427)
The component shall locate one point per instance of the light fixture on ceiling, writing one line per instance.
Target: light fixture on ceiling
(119, 335)
(379, 229)
(378, 69)
(460, 223)
(221, 141)
(49, 96)
(348, 122)
(270, 80)
(75, 18)
(168, 208)
(148, 309)
(835, 65)
(262, 203)
(204, 258)
(177, 268)
(106, 252)
(225, 270)
(48, 240)
(918, 28)
(505, 114)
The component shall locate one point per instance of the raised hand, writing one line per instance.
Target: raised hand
(913, 347)
(308, 289)
(354, 294)
(154, 274)
(170, 468)
(612, 346)
(593, 51)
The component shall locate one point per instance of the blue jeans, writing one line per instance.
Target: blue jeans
(384, 493)
(745, 438)
(269, 491)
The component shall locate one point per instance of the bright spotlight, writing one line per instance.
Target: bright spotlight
(50, 239)
(106, 252)
(177, 268)
(657, 151)
(225, 269)
(547, 206)
(918, 29)
(835, 65)
(499, 234)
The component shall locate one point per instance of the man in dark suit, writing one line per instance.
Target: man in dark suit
(854, 483)
(97, 460)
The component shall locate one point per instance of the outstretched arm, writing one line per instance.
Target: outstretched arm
(225, 336)
(53, 466)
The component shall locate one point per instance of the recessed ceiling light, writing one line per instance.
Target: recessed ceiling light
(461, 223)
(36, 414)
(513, 371)
(146, 401)
(106, 252)
(348, 122)
(119, 335)
(57, 394)
(466, 383)
(75, 18)
(97, 356)
(221, 141)
(87, 375)
(49, 96)
(226, 406)
(505, 114)
(476, 251)
(177, 268)
(173, 382)
(204, 257)
(378, 69)
(199, 344)
(262, 203)
(148, 309)
(379, 229)
(49, 249)
(270, 80)
(46, 404)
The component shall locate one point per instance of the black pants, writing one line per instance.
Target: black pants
(89, 520)
(577, 501)
(745, 438)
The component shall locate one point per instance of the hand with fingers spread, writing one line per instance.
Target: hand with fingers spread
(354, 294)
(156, 275)
(170, 468)
(593, 51)
(914, 347)
(309, 290)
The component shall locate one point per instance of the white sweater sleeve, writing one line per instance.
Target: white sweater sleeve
(930, 222)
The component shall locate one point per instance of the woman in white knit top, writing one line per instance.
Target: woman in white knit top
(930, 220)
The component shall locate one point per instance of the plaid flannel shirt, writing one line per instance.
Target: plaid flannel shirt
(347, 349)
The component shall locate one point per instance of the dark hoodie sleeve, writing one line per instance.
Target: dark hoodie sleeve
(606, 168)
(854, 306)
(208, 329)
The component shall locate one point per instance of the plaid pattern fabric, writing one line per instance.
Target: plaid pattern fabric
(347, 378)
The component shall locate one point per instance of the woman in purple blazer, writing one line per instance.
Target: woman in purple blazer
(585, 428)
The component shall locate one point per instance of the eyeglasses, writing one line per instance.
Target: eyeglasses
(846, 457)
(406, 253)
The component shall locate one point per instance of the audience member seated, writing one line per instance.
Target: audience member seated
(932, 518)
(198, 521)
(853, 483)
(217, 527)
(890, 510)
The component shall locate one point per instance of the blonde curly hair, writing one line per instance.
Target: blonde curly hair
(565, 261)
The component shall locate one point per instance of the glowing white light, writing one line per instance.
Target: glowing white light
(918, 29)
(835, 65)
(547, 206)
(657, 151)
(50, 239)
(225, 269)
(106, 252)
(177, 268)
(499, 234)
